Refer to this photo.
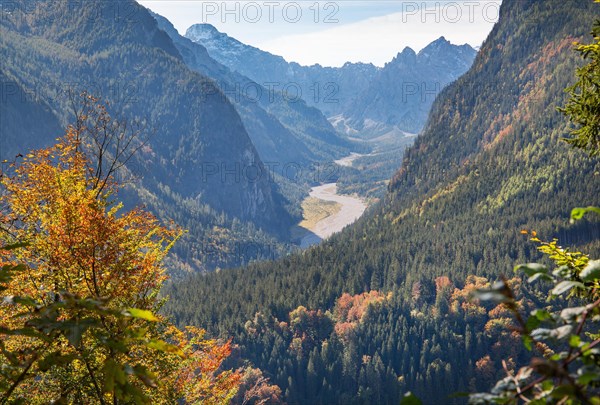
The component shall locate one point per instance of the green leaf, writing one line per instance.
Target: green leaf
(27, 301)
(75, 328)
(110, 370)
(563, 391)
(29, 332)
(565, 286)
(579, 212)
(55, 359)
(527, 342)
(547, 385)
(591, 272)
(145, 376)
(588, 377)
(562, 271)
(499, 292)
(541, 314)
(7, 270)
(115, 344)
(141, 314)
(531, 268)
(114, 375)
(15, 246)
(532, 323)
(574, 341)
(164, 347)
(539, 275)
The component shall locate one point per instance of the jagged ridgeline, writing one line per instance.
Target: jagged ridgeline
(401, 94)
(489, 163)
(330, 89)
(192, 170)
(359, 99)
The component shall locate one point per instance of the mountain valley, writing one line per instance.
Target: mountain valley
(186, 218)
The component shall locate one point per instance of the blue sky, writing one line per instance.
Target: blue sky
(333, 32)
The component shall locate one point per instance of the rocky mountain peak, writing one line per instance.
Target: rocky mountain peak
(202, 31)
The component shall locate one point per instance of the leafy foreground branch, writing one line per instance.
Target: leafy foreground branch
(584, 105)
(565, 334)
(79, 280)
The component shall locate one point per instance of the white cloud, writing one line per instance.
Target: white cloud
(379, 39)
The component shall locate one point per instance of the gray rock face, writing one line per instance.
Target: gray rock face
(401, 95)
(327, 88)
(358, 98)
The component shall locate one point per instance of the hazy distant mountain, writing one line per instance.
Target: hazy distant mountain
(284, 130)
(401, 95)
(329, 89)
(359, 98)
(272, 140)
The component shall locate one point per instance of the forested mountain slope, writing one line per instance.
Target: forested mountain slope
(115, 51)
(283, 128)
(489, 163)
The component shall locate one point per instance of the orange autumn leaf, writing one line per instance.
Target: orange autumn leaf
(81, 243)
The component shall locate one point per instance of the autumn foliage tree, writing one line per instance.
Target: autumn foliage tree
(80, 278)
